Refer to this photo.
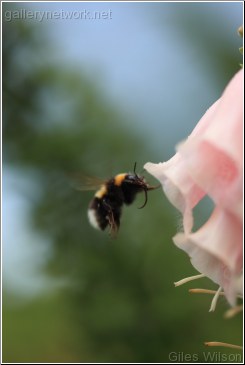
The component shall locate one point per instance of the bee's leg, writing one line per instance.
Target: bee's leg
(113, 220)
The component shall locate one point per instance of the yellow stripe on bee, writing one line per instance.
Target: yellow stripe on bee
(118, 179)
(101, 192)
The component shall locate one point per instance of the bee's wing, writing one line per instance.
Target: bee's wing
(85, 183)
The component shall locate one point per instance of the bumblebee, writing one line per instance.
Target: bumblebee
(105, 208)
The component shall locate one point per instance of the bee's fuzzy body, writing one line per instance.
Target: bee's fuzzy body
(106, 206)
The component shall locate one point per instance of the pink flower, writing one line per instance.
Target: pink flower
(210, 163)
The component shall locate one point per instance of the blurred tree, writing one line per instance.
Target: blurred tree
(119, 304)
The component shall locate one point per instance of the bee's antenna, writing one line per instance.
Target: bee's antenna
(135, 168)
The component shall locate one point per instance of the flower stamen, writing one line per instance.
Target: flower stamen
(233, 311)
(190, 278)
(204, 291)
(223, 344)
(215, 299)
(208, 291)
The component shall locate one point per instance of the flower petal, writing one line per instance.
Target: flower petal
(216, 250)
(214, 158)
(210, 163)
(179, 187)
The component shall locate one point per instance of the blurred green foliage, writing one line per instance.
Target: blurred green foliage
(119, 304)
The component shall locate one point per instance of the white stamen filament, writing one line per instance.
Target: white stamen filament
(190, 278)
(215, 299)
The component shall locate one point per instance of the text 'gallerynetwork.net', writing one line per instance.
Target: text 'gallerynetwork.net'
(23, 14)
